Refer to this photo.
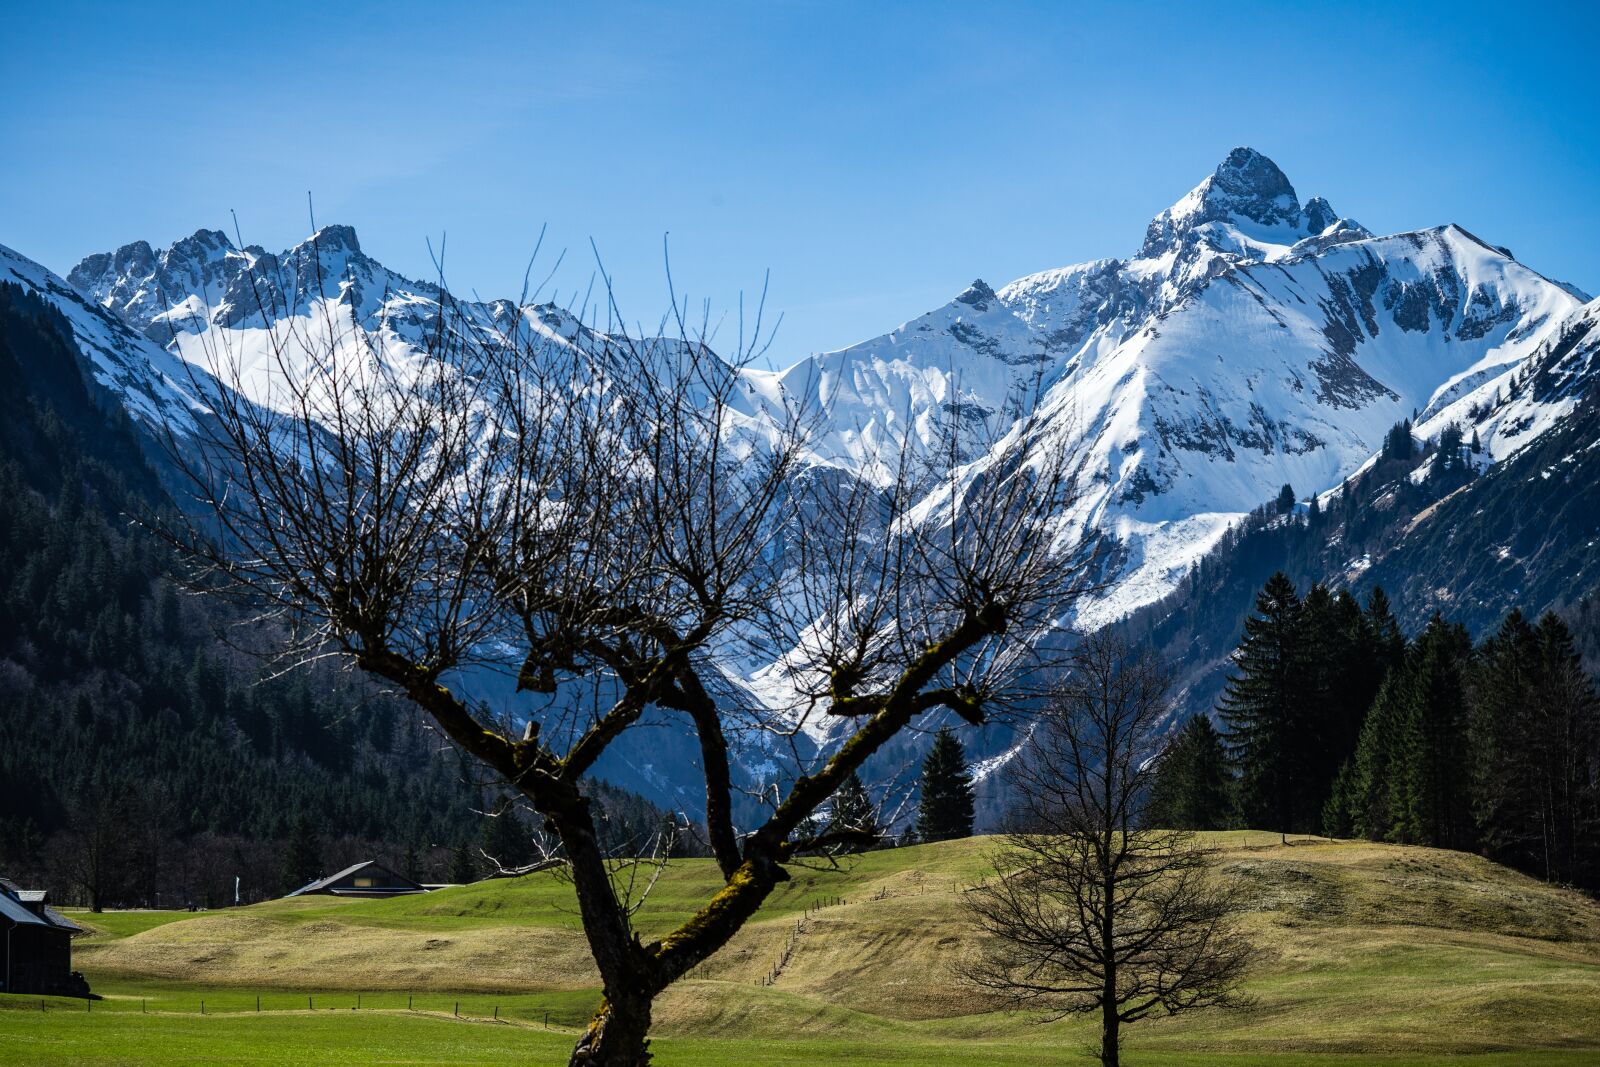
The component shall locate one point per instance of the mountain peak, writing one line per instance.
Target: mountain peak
(335, 238)
(1244, 209)
(1320, 214)
(1245, 185)
(204, 238)
(1250, 180)
(978, 295)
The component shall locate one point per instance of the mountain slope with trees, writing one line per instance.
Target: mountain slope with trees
(1427, 521)
(143, 757)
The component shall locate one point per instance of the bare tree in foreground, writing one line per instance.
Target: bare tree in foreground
(1090, 910)
(618, 515)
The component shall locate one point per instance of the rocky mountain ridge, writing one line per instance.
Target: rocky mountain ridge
(1251, 341)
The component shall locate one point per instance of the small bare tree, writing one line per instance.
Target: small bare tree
(618, 520)
(1091, 911)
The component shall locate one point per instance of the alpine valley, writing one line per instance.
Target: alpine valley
(1249, 343)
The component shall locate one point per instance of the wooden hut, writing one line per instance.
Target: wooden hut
(36, 941)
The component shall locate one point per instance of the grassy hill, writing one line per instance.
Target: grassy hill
(1376, 954)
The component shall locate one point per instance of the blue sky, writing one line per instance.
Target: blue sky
(876, 157)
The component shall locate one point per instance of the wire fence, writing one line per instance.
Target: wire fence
(795, 934)
(565, 1012)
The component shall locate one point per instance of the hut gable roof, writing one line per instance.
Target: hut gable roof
(13, 909)
(326, 884)
(27, 907)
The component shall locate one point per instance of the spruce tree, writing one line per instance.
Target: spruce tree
(1535, 728)
(463, 870)
(506, 840)
(1449, 461)
(1193, 788)
(1325, 739)
(1387, 643)
(1373, 783)
(302, 855)
(1360, 799)
(1438, 810)
(1261, 709)
(1505, 801)
(1363, 661)
(1338, 811)
(1398, 442)
(1285, 499)
(946, 811)
(853, 811)
(1568, 732)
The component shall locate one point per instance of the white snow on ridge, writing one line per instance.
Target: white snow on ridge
(1251, 341)
(153, 385)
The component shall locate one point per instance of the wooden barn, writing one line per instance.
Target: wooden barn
(368, 878)
(37, 945)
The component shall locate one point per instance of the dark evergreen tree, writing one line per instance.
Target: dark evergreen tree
(302, 855)
(1369, 799)
(1566, 731)
(1505, 800)
(1338, 814)
(1398, 442)
(946, 808)
(1193, 787)
(1285, 501)
(1438, 809)
(463, 868)
(1387, 643)
(1329, 632)
(1449, 461)
(853, 812)
(506, 840)
(1261, 709)
(1535, 727)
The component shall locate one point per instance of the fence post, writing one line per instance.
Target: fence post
(141, 1006)
(258, 1003)
(202, 1007)
(458, 1009)
(547, 1020)
(497, 1013)
(408, 1002)
(308, 1005)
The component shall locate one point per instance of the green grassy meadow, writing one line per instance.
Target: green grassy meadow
(1376, 954)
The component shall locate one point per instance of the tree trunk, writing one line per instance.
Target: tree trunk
(1110, 1036)
(618, 1035)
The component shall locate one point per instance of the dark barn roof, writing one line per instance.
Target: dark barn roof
(27, 907)
(342, 883)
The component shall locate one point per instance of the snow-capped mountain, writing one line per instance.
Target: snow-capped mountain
(154, 386)
(1251, 341)
(971, 356)
(1509, 518)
